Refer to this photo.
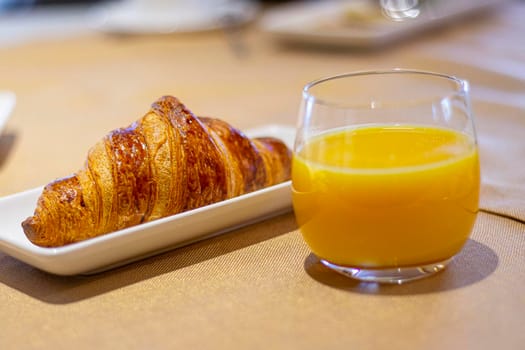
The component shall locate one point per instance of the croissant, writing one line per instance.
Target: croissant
(167, 162)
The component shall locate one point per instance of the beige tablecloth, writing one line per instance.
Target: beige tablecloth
(259, 287)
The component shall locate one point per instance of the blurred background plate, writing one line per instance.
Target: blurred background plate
(7, 103)
(362, 23)
(157, 17)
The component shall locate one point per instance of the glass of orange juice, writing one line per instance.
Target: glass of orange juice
(385, 174)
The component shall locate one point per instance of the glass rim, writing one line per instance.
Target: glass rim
(462, 84)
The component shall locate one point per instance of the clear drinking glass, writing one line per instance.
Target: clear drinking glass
(386, 173)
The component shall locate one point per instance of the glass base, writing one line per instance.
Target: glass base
(395, 275)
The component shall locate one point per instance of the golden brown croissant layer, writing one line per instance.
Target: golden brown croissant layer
(167, 162)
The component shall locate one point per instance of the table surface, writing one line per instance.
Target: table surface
(259, 286)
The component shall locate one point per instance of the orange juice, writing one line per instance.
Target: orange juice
(386, 196)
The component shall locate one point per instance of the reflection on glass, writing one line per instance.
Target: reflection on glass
(399, 10)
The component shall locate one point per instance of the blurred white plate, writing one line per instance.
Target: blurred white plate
(7, 104)
(134, 243)
(360, 23)
(161, 17)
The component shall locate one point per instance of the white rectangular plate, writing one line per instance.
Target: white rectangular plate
(137, 242)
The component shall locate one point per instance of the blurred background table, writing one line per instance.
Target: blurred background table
(256, 287)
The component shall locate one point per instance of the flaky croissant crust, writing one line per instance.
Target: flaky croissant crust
(167, 162)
